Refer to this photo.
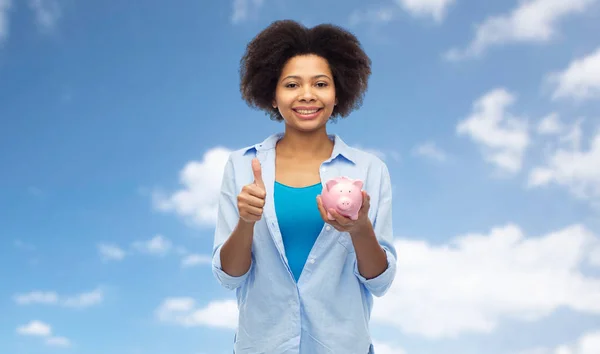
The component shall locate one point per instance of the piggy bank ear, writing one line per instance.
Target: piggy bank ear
(331, 183)
(358, 183)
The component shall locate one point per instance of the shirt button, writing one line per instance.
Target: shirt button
(327, 227)
(312, 261)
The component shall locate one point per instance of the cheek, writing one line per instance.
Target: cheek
(329, 98)
(285, 100)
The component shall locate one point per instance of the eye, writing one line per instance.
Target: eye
(290, 85)
(322, 84)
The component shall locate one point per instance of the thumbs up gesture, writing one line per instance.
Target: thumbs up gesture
(251, 199)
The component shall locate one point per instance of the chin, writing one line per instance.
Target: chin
(308, 126)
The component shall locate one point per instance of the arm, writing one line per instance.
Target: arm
(371, 259)
(233, 237)
(375, 264)
(376, 255)
(236, 252)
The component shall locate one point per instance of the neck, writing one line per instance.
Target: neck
(305, 144)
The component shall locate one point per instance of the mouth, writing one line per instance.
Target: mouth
(307, 113)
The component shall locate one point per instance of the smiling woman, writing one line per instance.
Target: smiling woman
(304, 282)
(333, 55)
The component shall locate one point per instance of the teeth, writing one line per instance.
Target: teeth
(303, 111)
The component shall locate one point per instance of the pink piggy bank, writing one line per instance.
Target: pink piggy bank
(344, 195)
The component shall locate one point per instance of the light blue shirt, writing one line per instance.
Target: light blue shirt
(300, 222)
(328, 310)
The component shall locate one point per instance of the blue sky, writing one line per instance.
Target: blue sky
(116, 119)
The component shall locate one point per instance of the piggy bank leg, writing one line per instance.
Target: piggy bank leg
(354, 217)
(329, 216)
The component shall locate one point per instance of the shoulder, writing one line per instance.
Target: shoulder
(249, 151)
(239, 157)
(244, 155)
(367, 159)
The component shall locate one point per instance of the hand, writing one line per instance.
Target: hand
(345, 224)
(251, 199)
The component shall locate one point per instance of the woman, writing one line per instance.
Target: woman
(304, 283)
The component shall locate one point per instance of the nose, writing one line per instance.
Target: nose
(307, 94)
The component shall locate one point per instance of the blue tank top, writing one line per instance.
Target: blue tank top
(299, 222)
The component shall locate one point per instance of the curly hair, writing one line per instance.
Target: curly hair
(269, 51)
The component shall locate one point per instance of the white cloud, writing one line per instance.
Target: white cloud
(183, 311)
(243, 9)
(478, 280)
(81, 300)
(5, 6)
(588, 343)
(37, 297)
(573, 167)
(430, 150)
(502, 137)
(35, 328)
(38, 328)
(532, 21)
(158, 245)
(197, 200)
(110, 252)
(384, 348)
(195, 259)
(435, 9)
(580, 80)
(550, 125)
(47, 13)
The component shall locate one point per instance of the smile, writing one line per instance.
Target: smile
(307, 113)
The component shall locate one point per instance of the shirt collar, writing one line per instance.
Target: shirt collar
(339, 146)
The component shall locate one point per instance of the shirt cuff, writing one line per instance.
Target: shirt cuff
(226, 280)
(379, 285)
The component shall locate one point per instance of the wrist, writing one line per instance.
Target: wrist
(362, 229)
(245, 227)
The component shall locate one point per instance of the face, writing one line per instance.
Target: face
(305, 94)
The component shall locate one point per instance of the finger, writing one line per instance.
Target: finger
(252, 210)
(322, 209)
(256, 191)
(340, 219)
(256, 170)
(254, 201)
(366, 198)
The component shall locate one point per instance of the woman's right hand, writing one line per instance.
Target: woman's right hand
(251, 199)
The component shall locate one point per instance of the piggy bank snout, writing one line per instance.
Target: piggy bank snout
(345, 203)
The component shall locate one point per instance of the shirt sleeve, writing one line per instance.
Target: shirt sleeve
(227, 218)
(382, 225)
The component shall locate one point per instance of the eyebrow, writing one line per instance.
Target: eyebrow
(299, 78)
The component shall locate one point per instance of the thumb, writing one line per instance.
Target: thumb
(257, 173)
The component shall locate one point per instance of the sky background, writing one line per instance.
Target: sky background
(116, 119)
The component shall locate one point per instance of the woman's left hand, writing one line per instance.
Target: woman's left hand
(345, 224)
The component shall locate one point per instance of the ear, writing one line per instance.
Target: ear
(330, 184)
(358, 183)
